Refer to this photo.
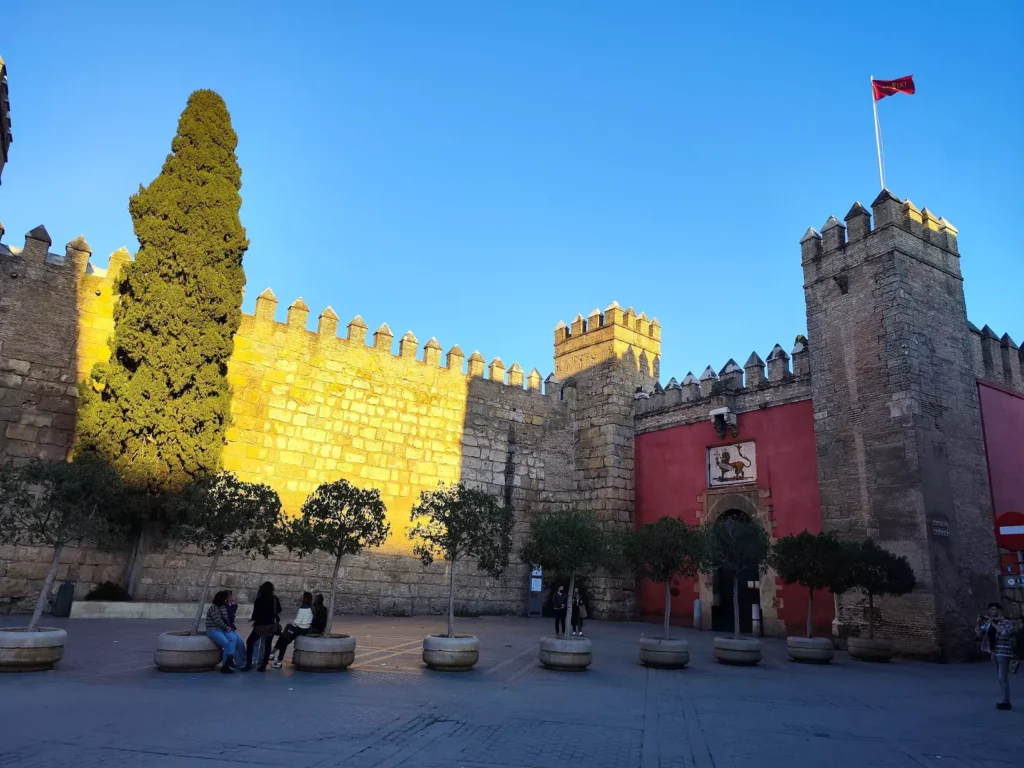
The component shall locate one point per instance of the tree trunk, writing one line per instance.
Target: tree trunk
(206, 588)
(568, 605)
(871, 616)
(810, 612)
(330, 602)
(451, 598)
(668, 606)
(136, 557)
(736, 604)
(44, 593)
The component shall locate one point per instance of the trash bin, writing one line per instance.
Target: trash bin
(62, 603)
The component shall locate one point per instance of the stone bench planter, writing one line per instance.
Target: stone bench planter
(333, 653)
(566, 654)
(738, 651)
(665, 654)
(451, 654)
(185, 652)
(22, 650)
(810, 650)
(869, 650)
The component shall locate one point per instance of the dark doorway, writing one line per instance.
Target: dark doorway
(721, 608)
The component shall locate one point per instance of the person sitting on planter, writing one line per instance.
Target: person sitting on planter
(578, 609)
(232, 606)
(218, 629)
(996, 632)
(299, 626)
(266, 614)
(319, 616)
(558, 601)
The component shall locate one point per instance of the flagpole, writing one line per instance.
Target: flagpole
(878, 135)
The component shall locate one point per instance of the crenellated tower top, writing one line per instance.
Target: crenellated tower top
(602, 336)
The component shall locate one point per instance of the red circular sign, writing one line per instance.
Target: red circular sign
(1010, 530)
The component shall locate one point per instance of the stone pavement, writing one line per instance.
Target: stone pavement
(107, 705)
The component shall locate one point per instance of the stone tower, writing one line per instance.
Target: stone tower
(897, 423)
(600, 363)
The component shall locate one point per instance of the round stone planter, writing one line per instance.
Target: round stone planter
(566, 655)
(332, 653)
(451, 654)
(869, 650)
(22, 650)
(666, 654)
(738, 651)
(185, 652)
(810, 650)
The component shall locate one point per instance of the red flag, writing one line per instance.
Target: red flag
(885, 88)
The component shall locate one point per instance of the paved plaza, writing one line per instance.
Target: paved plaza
(107, 705)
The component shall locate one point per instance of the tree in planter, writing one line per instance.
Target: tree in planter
(56, 503)
(221, 514)
(568, 543)
(814, 561)
(158, 410)
(734, 545)
(339, 519)
(662, 551)
(878, 571)
(458, 523)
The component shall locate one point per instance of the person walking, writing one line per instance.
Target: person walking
(266, 615)
(558, 601)
(219, 629)
(579, 611)
(298, 627)
(996, 632)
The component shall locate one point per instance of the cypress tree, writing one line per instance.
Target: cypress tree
(158, 410)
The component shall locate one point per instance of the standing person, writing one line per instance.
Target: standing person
(558, 601)
(266, 613)
(299, 626)
(578, 609)
(319, 616)
(996, 632)
(218, 629)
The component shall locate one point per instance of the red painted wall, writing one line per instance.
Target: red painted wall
(671, 475)
(1002, 416)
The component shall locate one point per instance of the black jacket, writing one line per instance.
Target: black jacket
(319, 621)
(558, 602)
(266, 611)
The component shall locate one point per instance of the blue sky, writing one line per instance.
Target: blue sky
(479, 171)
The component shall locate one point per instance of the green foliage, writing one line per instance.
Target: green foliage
(221, 513)
(814, 561)
(879, 572)
(56, 503)
(567, 542)
(735, 545)
(663, 549)
(339, 519)
(159, 409)
(456, 522)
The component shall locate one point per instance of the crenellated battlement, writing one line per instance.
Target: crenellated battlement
(612, 334)
(996, 358)
(886, 211)
(76, 257)
(295, 328)
(783, 379)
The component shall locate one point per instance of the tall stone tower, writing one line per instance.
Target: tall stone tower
(897, 423)
(600, 362)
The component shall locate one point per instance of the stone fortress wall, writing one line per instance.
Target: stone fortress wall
(309, 407)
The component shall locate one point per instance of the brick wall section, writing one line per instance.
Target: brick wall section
(900, 452)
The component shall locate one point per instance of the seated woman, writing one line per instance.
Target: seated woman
(319, 616)
(219, 629)
(299, 626)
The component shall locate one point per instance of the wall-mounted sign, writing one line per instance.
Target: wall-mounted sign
(732, 464)
(1012, 581)
(1010, 530)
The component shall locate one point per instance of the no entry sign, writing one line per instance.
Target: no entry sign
(1010, 530)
